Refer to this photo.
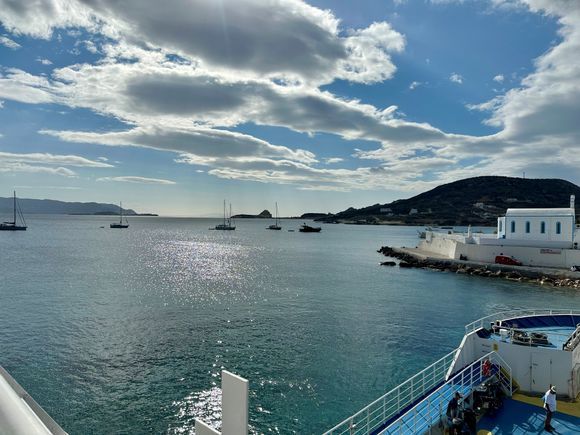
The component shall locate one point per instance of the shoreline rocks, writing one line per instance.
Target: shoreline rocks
(489, 271)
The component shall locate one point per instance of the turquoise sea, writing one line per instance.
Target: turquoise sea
(126, 331)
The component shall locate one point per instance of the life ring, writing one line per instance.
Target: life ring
(486, 369)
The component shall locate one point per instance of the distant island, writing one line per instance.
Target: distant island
(267, 215)
(472, 201)
(263, 215)
(50, 206)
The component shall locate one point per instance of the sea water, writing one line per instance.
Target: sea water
(127, 331)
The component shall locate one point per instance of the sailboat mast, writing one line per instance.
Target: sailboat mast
(230, 218)
(120, 212)
(15, 207)
(276, 213)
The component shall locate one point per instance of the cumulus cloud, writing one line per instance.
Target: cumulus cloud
(279, 39)
(456, 78)
(414, 85)
(182, 81)
(137, 180)
(499, 78)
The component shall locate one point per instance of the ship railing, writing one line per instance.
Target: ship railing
(376, 414)
(504, 315)
(427, 414)
(573, 341)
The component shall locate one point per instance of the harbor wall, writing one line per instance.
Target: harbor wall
(529, 256)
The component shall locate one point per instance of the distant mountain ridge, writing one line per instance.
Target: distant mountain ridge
(51, 206)
(475, 201)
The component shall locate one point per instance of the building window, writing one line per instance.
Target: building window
(558, 228)
(527, 227)
(513, 226)
(543, 228)
(500, 226)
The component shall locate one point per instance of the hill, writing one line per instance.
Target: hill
(50, 206)
(475, 201)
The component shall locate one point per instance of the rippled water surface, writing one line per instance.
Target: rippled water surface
(126, 331)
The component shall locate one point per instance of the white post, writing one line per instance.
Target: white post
(202, 428)
(234, 404)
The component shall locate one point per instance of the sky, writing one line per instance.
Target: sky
(174, 106)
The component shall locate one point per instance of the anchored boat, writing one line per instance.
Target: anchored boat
(227, 223)
(308, 229)
(14, 224)
(120, 224)
(275, 225)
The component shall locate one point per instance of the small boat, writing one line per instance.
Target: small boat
(275, 225)
(12, 226)
(227, 223)
(120, 224)
(308, 229)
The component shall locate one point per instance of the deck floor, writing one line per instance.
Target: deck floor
(519, 418)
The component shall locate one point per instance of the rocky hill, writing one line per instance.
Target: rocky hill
(475, 201)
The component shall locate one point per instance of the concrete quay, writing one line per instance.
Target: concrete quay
(416, 257)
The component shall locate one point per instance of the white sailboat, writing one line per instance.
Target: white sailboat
(120, 224)
(13, 225)
(227, 223)
(275, 226)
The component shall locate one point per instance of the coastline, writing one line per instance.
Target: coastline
(417, 258)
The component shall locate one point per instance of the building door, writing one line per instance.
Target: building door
(541, 372)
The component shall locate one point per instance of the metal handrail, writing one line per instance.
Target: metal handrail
(394, 401)
(504, 315)
(461, 376)
(573, 340)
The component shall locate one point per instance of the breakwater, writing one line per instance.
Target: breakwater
(408, 258)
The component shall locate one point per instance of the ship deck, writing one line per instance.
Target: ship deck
(557, 335)
(525, 415)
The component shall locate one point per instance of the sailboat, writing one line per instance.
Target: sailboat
(11, 226)
(120, 224)
(227, 223)
(275, 226)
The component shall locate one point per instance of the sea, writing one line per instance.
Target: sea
(127, 331)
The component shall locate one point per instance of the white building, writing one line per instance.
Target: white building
(536, 237)
(540, 226)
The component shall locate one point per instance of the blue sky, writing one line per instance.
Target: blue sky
(318, 105)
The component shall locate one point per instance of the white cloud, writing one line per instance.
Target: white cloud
(20, 86)
(52, 159)
(499, 78)
(22, 167)
(137, 180)
(43, 61)
(456, 78)
(268, 71)
(414, 85)
(7, 42)
(332, 160)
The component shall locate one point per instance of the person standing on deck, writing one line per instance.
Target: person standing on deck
(550, 407)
